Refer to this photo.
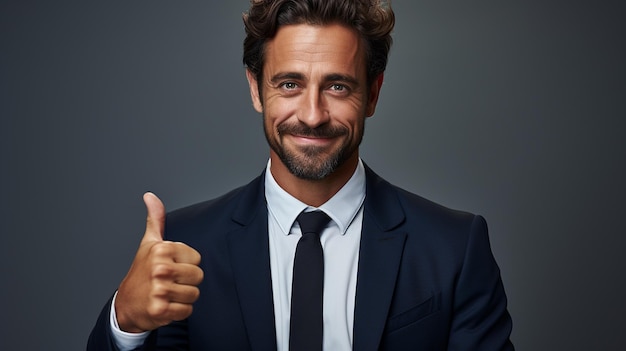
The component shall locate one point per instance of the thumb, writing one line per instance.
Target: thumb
(155, 222)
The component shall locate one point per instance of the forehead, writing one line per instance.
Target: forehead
(304, 47)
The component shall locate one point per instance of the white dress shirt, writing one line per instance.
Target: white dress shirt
(340, 242)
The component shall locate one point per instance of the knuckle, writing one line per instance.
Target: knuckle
(197, 258)
(162, 271)
(200, 276)
(179, 244)
(194, 294)
(182, 313)
(160, 291)
(164, 249)
(157, 309)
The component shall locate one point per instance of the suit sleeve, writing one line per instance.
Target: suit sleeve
(101, 337)
(481, 320)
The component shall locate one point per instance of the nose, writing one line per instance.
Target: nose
(313, 110)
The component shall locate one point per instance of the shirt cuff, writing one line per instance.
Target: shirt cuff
(123, 340)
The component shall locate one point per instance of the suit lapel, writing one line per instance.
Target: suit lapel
(379, 260)
(382, 244)
(249, 249)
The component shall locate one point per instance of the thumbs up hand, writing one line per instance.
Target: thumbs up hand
(161, 285)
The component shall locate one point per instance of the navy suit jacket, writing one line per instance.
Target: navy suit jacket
(427, 279)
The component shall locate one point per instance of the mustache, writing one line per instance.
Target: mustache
(301, 129)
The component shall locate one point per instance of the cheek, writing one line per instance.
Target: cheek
(351, 115)
(277, 112)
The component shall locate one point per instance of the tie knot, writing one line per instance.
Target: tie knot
(312, 222)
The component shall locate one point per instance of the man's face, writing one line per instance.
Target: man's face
(314, 98)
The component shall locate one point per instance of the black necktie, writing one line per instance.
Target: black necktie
(306, 326)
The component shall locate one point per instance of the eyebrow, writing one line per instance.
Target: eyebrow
(335, 77)
(287, 75)
(332, 77)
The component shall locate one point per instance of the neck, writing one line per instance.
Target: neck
(312, 192)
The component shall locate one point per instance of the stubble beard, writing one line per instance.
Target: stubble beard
(311, 162)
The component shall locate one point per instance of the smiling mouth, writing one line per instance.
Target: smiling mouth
(311, 140)
(301, 131)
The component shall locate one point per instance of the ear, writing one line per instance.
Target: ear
(374, 93)
(254, 91)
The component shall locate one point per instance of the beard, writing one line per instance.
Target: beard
(313, 162)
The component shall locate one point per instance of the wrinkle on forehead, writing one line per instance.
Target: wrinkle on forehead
(309, 48)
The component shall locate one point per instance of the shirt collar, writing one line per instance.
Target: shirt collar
(342, 208)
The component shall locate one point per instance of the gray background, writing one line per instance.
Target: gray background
(511, 109)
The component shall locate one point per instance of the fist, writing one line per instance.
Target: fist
(162, 283)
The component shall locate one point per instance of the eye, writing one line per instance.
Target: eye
(340, 90)
(289, 85)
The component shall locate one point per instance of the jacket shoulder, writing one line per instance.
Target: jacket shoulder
(426, 208)
(393, 206)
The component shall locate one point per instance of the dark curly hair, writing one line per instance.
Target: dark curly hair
(372, 19)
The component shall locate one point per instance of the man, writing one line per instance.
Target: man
(399, 272)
